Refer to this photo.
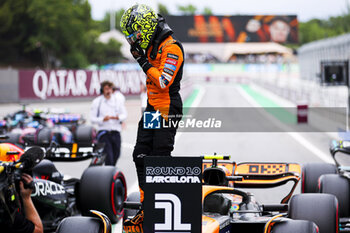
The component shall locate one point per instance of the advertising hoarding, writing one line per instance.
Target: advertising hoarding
(243, 28)
(55, 84)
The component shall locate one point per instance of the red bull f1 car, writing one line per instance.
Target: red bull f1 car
(100, 188)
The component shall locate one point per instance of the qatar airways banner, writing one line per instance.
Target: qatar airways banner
(55, 84)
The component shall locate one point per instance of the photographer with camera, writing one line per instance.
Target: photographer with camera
(28, 221)
(17, 211)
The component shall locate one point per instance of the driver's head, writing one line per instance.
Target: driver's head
(107, 88)
(138, 24)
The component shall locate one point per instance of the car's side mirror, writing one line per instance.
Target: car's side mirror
(343, 146)
(334, 145)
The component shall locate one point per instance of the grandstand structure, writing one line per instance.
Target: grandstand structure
(312, 54)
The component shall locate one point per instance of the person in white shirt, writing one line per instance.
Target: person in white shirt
(121, 97)
(117, 92)
(143, 97)
(108, 112)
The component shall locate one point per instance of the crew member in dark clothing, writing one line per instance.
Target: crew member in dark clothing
(26, 220)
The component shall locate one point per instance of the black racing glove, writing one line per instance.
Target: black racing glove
(140, 57)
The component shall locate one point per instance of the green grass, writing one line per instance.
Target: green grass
(270, 106)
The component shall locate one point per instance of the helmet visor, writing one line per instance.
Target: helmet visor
(134, 37)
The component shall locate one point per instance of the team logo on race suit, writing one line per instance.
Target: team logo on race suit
(169, 66)
(173, 56)
(166, 70)
(171, 61)
(151, 120)
(163, 81)
(166, 76)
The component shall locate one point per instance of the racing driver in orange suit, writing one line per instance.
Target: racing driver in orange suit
(161, 57)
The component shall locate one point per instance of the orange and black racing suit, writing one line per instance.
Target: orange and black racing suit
(163, 84)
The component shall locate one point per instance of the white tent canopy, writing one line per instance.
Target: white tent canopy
(114, 34)
(223, 51)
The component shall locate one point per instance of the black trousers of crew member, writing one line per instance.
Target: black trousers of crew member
(112, 142)
(154, 142)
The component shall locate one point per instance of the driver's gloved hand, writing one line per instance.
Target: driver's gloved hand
(141, 58)
(137, 51)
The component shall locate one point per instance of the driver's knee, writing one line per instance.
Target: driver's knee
(140, 151)
(139, 159)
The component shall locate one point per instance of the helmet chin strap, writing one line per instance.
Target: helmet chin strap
(162, 31)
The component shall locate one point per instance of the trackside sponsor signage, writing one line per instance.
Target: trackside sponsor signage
(47, 188)
(173, 194)
(54, 84)
(238, 28)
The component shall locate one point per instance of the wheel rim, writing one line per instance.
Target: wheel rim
(118, 195)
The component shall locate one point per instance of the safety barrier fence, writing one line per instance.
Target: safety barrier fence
(57, 85)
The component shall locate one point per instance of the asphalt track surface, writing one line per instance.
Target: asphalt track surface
(242, 146)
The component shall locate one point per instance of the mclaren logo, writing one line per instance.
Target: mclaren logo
(172, 213)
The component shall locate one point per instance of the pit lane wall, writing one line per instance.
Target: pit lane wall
(26, 86)
(283, 79)
(9, 86)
